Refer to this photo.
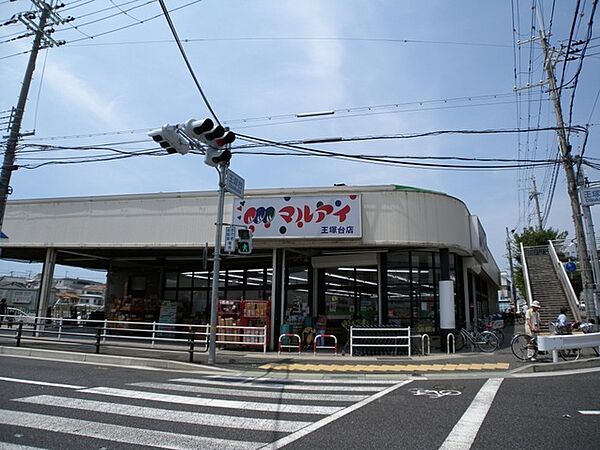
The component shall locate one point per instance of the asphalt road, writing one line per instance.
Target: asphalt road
(48, 404)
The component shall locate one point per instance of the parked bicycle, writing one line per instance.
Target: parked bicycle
(486, 341)
(524, 347)
(493, 326)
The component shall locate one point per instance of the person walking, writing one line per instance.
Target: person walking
(532, 327)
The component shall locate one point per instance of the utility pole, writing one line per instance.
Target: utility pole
(565, 149)
(47, 17)
(535, 195)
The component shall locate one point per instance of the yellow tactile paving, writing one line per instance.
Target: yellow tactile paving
(383, 367)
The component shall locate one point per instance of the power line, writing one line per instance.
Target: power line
(187, 61)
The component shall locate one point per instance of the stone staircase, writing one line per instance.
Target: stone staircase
(545, 285)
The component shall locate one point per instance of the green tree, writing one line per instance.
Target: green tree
(530, 237)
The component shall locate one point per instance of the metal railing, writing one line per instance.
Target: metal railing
(385, 337)
(528, 293)
(148, 336)
(564, 281)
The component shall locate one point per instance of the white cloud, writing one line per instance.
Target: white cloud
(77, 93)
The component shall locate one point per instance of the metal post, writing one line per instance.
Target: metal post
(98, 336)
(591, 306)
(191, 339)
(212, 344)
(19, 333)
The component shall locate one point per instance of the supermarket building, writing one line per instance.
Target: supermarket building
(376, 253)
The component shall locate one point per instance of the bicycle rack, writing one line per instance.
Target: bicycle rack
(425, 337)
(450, 335)
(280, 345)
(323, 336)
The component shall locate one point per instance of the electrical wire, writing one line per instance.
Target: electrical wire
(187, 61)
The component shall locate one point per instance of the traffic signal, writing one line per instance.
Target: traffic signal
(215, 138)
(169, 139)
(244, 244)
(197, 129)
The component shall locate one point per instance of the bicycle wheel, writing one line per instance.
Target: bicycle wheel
(519, 345)
(487, 342)
(500, 335)
(571, 354)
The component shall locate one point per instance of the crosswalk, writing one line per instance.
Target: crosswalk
(189, 412)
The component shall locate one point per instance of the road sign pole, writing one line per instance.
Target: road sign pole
(212, 344)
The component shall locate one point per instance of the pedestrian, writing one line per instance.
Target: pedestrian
(562, 323)
(2, 310)
(532, 327)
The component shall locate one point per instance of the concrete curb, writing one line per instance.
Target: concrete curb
(115, 360)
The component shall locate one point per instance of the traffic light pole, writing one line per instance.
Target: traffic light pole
(212, 344)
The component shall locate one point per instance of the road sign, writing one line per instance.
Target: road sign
(229, 239)
(570, 266)
(591, 196)
(234, 183)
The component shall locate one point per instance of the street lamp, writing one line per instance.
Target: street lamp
(214, 141)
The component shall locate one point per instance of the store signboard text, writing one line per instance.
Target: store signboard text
(318, 216)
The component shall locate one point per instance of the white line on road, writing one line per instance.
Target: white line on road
(215, 403)
(240, 379)
(463, 434)
(118, 433)
(214, 420)
(250, 393)
(327, 420)
(590, 413)
(11, 446)
(292, 386)
(41, 383)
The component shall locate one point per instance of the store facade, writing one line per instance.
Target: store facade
(321, 256)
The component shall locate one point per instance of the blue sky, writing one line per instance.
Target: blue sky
(384, 67)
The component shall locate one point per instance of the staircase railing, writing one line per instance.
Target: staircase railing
(565, 282)
(526, 275)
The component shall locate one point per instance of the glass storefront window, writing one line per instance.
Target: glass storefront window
(185, 280)
(351, 292)
(171, 280)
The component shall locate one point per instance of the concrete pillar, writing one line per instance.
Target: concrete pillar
(46, 283)
(446, 297)
(277, 295)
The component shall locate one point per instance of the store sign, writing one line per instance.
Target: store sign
(591, 196)
(318, 216)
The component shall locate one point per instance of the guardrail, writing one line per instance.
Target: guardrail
(149, 336)
(382, 337)
(316, 346)
(558, 342)
(565, 283)
(281, 345)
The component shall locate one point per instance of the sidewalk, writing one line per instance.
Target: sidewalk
(272, 364)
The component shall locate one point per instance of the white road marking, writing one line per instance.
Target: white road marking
(216, 403)
(213, 420)
(589, 413)
(257, 384)
(11, 446)
(233, 379)
(118, 433)
(327, 420)
(250, 393)
(464, 432)
(41, 383)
